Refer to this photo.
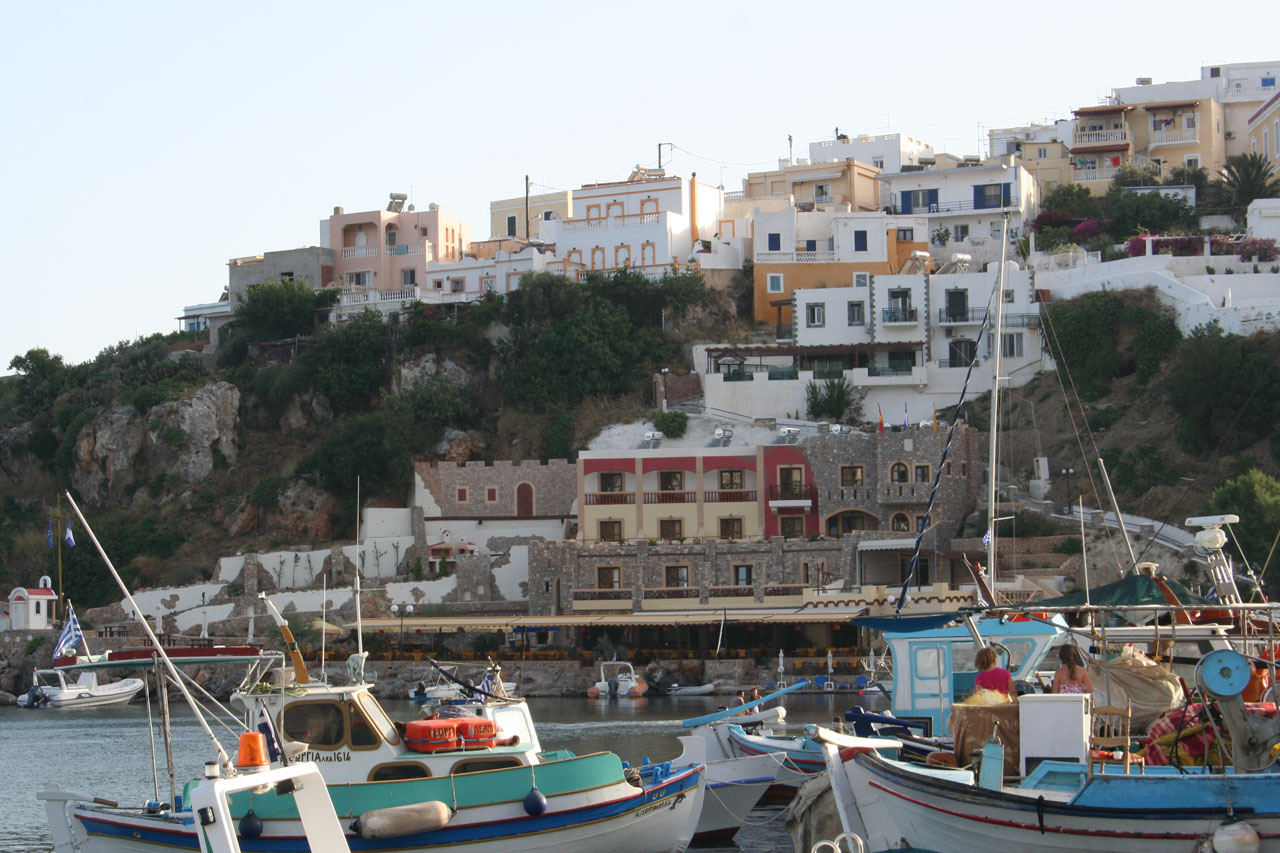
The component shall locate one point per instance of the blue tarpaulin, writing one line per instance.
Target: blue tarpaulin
(905, 624)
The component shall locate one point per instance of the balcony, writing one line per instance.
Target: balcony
(823, 257)
(1174, 136)
(737, 376)
(783, 373)
(1101, 137)
(903, 493)
(610, 498)
(792, 496)
(359, 251)
(407, 249)
(602, 599)
(961, 317)
(1104, 174)
(747, 591)
(957, 362)
(733, 496)
(890, 369)
(626, 220)
(899, 315)
(1018, 321)
(670, 497)
(667, 592)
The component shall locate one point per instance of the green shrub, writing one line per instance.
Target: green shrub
(266, 493)
(174, 436)
(1070, 545)
(671, 424)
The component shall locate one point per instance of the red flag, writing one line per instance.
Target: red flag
(878, 409)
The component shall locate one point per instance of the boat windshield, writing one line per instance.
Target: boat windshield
(378, 718)
(46, 678)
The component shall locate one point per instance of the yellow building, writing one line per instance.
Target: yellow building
(512, 217)
(1264, 131)
(814, 186)
(1165, 134)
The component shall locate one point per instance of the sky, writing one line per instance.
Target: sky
(150, 142)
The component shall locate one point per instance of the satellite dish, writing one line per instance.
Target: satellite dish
(719, 433)
(648, 436)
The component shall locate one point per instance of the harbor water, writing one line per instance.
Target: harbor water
(105, 752)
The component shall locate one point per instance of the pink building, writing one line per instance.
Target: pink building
(388, 250)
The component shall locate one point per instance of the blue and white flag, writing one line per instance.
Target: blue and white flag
(71, 635)
(986, 539)
(268, 734)
(69, 539)
(1212, 594)
(51, 534)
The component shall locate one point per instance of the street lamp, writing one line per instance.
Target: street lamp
(406, 611)
(1067, 472)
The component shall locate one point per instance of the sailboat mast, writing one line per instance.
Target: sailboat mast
(359, 620)
(997, 346)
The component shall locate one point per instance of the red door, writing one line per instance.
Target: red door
(524, 500)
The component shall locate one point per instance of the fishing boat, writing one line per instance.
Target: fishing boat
(51, 689)
(617, 679)
(691, 689)
(449, 685)
(432, 784)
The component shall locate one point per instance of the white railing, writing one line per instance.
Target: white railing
(736, 194)
(652, 272)
(1066, 261)
(1248, 93)
(359, 251)
(1175, 135)
(407, 249)
(1089, 137)
(825, 257)
(396, 295)
(1081, 175)
(626, 220)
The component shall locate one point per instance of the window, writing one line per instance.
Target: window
(1268, 82)
(731, 528)
(511, 226)
(546, 215)
(608, 577)
(906, 235)
(992, 195)
(859, 241)
(815, 315)
(877, 162)
(775, 242)
(391, 238)
(1189, 121)
(811, 245)
(489, 284)
(900, 523)
(1193, 162)
(438, 283)
(286, 276)
(671, 481)
(898, 473)
(319, 724)
(851, 476)
(593, 211)
(1011, 345)
(791, 526)
(457, 284)
(742, 576)
(359, 279)
(861, 279)
(821, 192)
(1042, 153)
(920, 200)
(677, 575)
(960, 231)
(462, 496)
(1008, 297)
(857, 314)
(408, 278)
(922, 473)
(362, 734)
(920, 522)
(611, 481)
(423, 232)
(731, 480)
(671, 528)
(611, 531)
(491, 495)
(775, 283)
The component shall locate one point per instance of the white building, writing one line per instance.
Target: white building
(31, 608)
(471, 278)
(907, 340)
(969, 201)
(649, 223)
(887, 152)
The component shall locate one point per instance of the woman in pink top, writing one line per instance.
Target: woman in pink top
(992, 677)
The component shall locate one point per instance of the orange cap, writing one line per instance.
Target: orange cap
(253, 752)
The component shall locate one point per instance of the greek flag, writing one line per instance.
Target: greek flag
(71, 635)
(51, 534)
(69, 539)
(986, 539)
(268, 734)
(1212, 594)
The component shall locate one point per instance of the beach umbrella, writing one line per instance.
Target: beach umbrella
(781, 666)
(831, 668)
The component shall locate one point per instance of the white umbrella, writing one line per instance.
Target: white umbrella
(781, 668)
(159, 621)
(830, 665)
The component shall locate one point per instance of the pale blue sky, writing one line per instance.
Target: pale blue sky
(150, 142)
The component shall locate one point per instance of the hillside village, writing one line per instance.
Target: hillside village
(811, 465)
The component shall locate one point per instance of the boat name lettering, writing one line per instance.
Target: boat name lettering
(312, 755)
(652, 807)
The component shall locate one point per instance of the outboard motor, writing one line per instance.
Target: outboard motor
(613, 686)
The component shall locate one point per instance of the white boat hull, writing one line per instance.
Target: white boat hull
(734, 786)
(117, 693)
(896, 803)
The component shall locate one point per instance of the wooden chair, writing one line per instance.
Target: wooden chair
(1111, 730)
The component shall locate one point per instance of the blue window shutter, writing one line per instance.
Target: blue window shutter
(811, 245)
(906, 201)
(859, 241)
(977, 197)
(933, 199)
(775, 242)
(1004, 194)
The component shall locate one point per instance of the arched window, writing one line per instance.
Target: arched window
(900, 523)
(898, 472)
(850, 520)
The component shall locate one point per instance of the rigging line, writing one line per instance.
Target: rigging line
(1075, 394)
(720, 162)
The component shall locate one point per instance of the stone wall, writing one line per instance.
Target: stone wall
(490, 488)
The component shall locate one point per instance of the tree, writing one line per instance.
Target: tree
(41, 380)
(1193, 176)
(1245, 178)
(349, 364)
(1130, 175)
(1146, 212)
(281, 309)
(1255, 497)
(834, 399)
(1074, 201)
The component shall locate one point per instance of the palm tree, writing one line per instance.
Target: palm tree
(1245, 178)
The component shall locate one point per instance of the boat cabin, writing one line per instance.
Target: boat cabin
(932, 669)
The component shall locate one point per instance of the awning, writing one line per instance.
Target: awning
(1086, 148)
(757, 616)
(1169, 105)
(887, 544)
(825, 175)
